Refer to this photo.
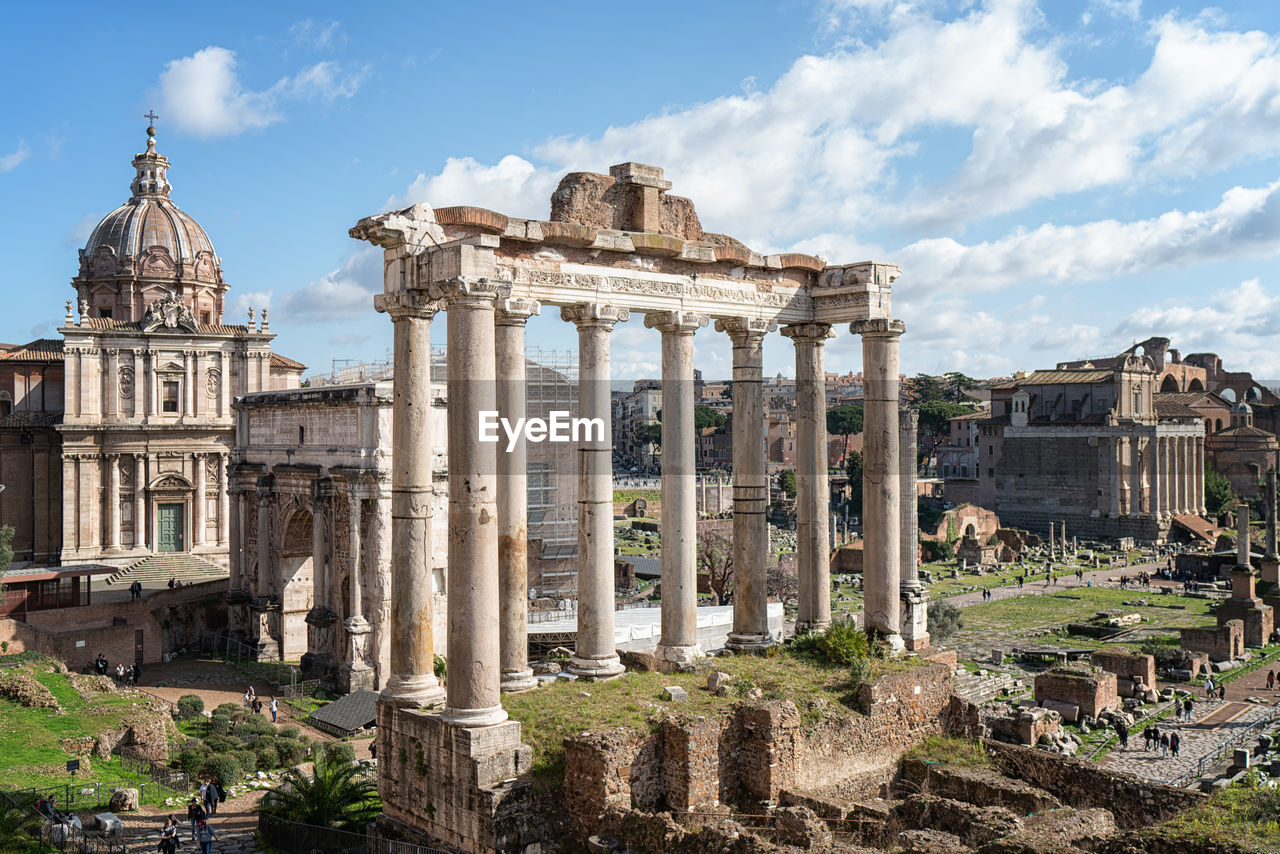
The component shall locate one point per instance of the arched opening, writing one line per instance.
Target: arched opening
(297, 584)
(1169, 384)
(1228, 394)
(1218, 425)
(1195, 385)
(970, 533)
(1254, 393)
(1208, 425)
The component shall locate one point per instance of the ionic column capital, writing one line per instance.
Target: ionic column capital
(400, 304)
(816, 333)
(516, 311)
(878, 327)
(745, 330)
(676, 322)
(465, 290)
(594, 314)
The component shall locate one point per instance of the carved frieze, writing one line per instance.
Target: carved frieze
(213, 383)
(126, 383)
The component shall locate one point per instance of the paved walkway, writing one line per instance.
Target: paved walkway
(1066, 581)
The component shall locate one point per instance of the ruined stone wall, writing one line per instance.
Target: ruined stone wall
(756, 752)
(1221, 644)
(1127, 666)
(1134, 802)
(1091, 692)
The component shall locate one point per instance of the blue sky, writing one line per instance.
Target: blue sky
(1057, 179)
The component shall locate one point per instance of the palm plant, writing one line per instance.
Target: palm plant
(331, 797)
(19, 828)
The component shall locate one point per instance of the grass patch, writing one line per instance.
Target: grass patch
(1240, 819)
(946, 750)
(1079, 604)
(555, 711)
(626, 496)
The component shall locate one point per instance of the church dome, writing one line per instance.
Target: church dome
(1242, 408)
(148, 249)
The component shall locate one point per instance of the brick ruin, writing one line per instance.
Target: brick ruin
(1077, 691)
(1225, 643)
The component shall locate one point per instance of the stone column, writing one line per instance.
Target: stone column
(679, 644)
(113, 502)
(880, 496)
(413, 681)
(1273, 529)
(513, 498)
(139, 501)
(1104, 472)
(750, 486)
(1199, 475)
(223, 513)
(595, 655)
(914, 598)
(357, 674)
(264, 584)
(474, 686)
(200, 501)
(1242, 537)
(235, 555)
(1135, 476)
(1153, 474)
(1175, 476)
(188, 383)
(1188, 462)
(1114, 486)
(111, 399)
(813, 500)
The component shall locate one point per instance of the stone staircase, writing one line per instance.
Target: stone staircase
(984, 686)
(161, 567)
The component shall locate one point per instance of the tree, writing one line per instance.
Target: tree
(782, 583)
(19, 827)
(787, 483)
(727, 394)
(844, 421)
(853, 468)
(648, 434)
(1217, 492)
(715, 558)
(6, 547)
(959, 384)
(705, 416)
(935, 423)
(925, 389)
(944, 620)
(332, 797)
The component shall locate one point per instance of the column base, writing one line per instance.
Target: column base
(412, 692)
(474, 717)
(357, 676)
(604, 667)
(749, 642)
(897, 646)
(915, 619)
(814, 625)
(518, 680)
(678, 657)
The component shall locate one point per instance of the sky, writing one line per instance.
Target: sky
(1058, 179)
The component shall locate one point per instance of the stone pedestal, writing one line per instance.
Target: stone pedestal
(357, 674)
(915, 620)
(443, 783)
(266, 647)
(320, 662)
(1245, 606)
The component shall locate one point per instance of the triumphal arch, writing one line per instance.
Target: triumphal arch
(614, 245)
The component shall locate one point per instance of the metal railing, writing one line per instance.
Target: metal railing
(1231, 743)
(135, 760)
(64, 836)
(291, 837)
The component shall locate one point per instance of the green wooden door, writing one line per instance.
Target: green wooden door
(170, 521)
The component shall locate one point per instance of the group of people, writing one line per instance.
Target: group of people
(203, 806)
(1214, 690)
(1169, 743)
(135, 590)
(251, 701)
(125, 676)
(1142, 579)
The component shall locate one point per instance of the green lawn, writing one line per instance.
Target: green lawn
(1033, 612)
(626, 496)
(1239, 819)
(30, 752)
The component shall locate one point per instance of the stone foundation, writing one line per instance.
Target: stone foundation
(1092, 691)
(1258, 620)
(1225, 643)
(455, 785)
(1127, 666)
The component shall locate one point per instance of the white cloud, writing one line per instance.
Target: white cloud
(511, 186)
(11, 161)
(239, 304)
(340, 294)
(1247, 222)
(202, 94)
(318, 36)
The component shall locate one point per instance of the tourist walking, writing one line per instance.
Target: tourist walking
(247, 700)
(209, 793)
(205, 836)
(1208, 687)
(119, 674)
(1164, 745)
(1122, 730)
(1186, 708)
(1222, 693)
(137, 674)
(128, 676)
(1146, 739)
(1271, 680)
(1177, 709)
(1175, 742)
(195, 814)
(275, 709)
(169, 836)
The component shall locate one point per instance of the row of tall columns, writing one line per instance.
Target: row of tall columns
(1156, 475)
(595, 653)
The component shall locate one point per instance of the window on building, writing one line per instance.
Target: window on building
(302, 435)
(991, 472)
(104, 312)
(170, 395)
(205, 317)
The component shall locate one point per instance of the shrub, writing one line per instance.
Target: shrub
(191, 758)
(944, 620)
(256, 725)
(221, 744)
(939, 551)
(291, 751)
(340, 752)
(268, 758)
(190, 707)
(223, 767)
(860, 670)
(247, 758)
(228, 709)
(843, 643)
(290, 732)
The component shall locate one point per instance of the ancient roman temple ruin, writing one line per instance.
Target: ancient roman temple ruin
(614, 245)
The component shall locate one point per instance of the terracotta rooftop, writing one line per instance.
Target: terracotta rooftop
(111, 324)
(278, 361)
(40, 350)
(1166, 408)
(1057, 377)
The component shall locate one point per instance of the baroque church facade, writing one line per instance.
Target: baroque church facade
(115, 439)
